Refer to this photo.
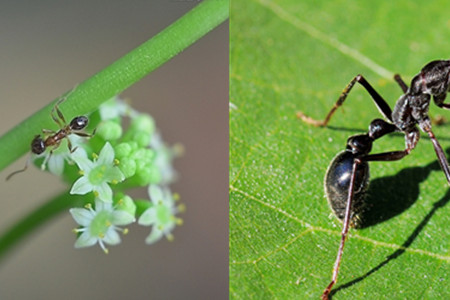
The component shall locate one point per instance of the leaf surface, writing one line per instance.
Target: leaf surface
(294, 56)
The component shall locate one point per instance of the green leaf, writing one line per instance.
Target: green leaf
(295, 56)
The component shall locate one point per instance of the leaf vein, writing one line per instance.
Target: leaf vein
(311, 228)
(326, 39)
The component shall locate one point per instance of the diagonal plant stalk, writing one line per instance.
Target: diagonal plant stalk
(88, 95)
(36, 218)
(121, 74)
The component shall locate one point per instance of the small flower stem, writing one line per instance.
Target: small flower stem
(112, 80)
(37, 218)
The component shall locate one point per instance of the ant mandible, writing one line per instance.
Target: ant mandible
(347, 177)
(54, 138)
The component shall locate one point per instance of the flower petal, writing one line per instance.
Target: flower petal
(82, 216)
(167, 198)
(80, 158)
(81, 186)
(148, 217)
(104, 192)
(155, 193)
(85, 240)
(56, 164)
(120, 217)
(154, 236)
(114, 173)
(102, 205)
(106, 155)
(112, 237)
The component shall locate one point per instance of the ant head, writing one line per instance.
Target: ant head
(37, 145)
(79, 123)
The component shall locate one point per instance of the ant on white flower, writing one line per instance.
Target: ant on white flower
(53, 138)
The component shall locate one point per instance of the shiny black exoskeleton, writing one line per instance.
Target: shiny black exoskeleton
(347, 177)
(37, 145)
(78, 123)
(351, 165)
(337, 182)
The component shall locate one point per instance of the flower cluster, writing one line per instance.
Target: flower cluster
(114, 159)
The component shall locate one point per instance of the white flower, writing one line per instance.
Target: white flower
(56, 160)
(97, 174)
(100, 224)
(161, 214)
(115, 107)
(164, 158)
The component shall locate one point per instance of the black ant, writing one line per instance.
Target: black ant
(53, 138)
(347, 177)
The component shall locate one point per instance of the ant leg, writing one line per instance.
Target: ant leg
(378, 129)
(425, 125)
(439, 101)
(58, 113)
(401, 83)
(387, 156)
(46, 159)
(344, 232)
(381, 104)
(411, 139)
(440, 154)
(69, 144)
(48, 131)
(19, 171)
(84, 134)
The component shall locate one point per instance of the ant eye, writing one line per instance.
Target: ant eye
(79, 123)
(37, 145)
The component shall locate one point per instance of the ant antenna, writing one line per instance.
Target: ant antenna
(19, 171)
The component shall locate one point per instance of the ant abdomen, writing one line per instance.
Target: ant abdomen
(337, 182)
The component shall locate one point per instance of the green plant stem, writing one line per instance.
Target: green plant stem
(112, 80)
(88, 95)
(36, 219)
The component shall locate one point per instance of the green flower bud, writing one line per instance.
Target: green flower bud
(125, 203)
(142, 138)
(122, 150)
(128, 166)
(143, 123)
(109, 130)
